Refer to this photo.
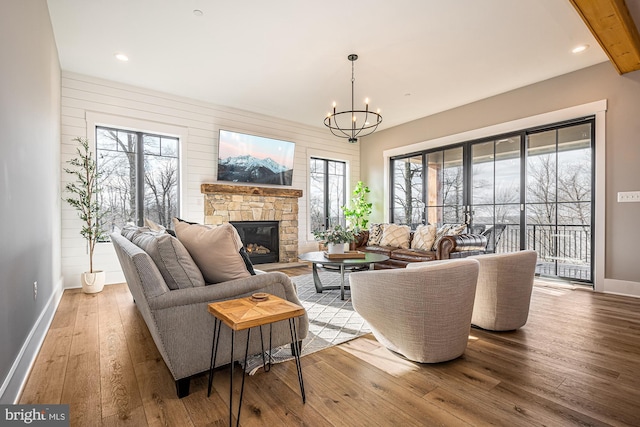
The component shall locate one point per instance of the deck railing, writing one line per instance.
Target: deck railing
(563, 250)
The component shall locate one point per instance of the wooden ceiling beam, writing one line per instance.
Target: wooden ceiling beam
(612, 25)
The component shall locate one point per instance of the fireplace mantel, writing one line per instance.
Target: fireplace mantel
(249, 190)
(235, 203)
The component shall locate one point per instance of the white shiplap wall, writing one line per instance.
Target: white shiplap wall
(87, 101)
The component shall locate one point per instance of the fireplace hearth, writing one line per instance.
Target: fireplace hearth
(260, 239)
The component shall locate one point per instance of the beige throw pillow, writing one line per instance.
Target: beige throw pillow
(423, 237)
(456, 229)
(448, 230)
(215, 250)
(440, 233)
(153, 225)
(396, 235)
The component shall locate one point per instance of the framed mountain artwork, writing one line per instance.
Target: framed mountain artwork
(254, 159)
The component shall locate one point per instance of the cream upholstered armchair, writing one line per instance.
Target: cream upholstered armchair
(504, 289)
(422, 312)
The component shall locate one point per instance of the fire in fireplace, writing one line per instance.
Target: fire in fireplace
(261, 240)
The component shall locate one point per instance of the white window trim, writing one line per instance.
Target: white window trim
(596, 108)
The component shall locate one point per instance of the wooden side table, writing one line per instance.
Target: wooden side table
(246, 313)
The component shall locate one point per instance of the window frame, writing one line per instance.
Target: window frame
(94, 119)
(140, 157)
(523, 135)
(345, 176)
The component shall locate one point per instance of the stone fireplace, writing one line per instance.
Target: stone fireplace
(238, 204)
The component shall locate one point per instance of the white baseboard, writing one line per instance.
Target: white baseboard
(621, 287)
(19, 372)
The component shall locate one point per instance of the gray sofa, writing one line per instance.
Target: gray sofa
(179, 322)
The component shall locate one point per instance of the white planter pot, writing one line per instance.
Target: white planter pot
(335, 248)
(92, 282)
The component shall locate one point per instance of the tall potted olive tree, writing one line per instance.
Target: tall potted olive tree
(83, 196)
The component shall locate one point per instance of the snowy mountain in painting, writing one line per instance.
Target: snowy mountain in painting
(251, 169)
(250, 162)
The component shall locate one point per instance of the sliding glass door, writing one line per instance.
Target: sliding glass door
(559, 183)
(445, 187)
(527, 190)
(495, 207)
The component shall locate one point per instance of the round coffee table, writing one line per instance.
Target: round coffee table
(319, 257)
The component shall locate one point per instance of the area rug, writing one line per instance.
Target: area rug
(332, 321)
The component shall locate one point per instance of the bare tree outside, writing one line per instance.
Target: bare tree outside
(327, 193)
(557, 204)
(408, 184)
(117, 153)
(452, 183)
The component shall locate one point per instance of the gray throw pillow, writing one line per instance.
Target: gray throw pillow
(172, 259)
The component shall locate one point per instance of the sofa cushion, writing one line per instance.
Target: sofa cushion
(375, 234)
(171, 257)
(378, 250)
(215, 250)
(423, 237)
(413, 255)
(396, 235)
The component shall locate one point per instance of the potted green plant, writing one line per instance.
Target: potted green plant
(335, 238)
(357, 214)
(83, 196)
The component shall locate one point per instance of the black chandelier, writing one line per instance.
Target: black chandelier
(353, 123)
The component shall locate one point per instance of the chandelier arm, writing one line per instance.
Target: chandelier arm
(346, 131)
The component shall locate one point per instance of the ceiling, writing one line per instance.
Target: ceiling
(288, 58)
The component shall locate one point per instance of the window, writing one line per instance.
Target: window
(139, 177)
(530, 189)
(408, 196)
(326, 193)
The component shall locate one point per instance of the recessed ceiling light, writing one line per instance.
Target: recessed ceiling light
(121, 57)
(580, 48)
(198, 12)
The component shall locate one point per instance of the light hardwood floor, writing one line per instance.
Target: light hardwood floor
(576, 362)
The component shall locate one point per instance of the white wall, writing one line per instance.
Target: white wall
(87, 101)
